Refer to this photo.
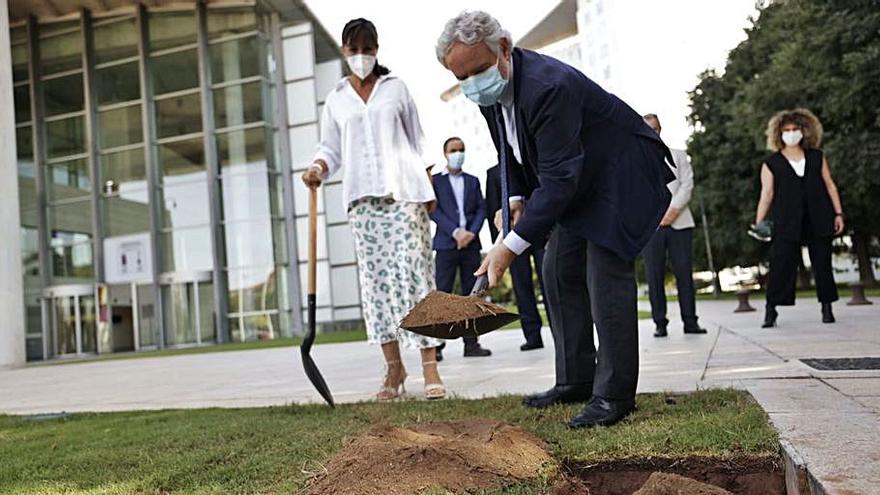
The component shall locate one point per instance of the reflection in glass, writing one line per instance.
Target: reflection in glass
(237, 105)
(242, 151)
(65, 324)
(235, 59)
(24, 149)
(123, 171)
(60, 53)
(30, 261)
(182, 158)
(171, 29)
(63, 95)
(206, 311)
(65, 137)
(187, 250)
(118, 83)
(178, 302)
(245, 196)
(258, 327)
(19, 62)
(175, 72)
(116, 40)
(178, 116)
(67, 180)
(228, 22)
(249, 243)
(72, 260)
(121, 126)
(22, 102)
(88, 323)
(185, 204)
(70, 223)
(124, 216)
(303, 141)
(148, 325)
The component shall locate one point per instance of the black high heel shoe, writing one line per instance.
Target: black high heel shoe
(770, 317)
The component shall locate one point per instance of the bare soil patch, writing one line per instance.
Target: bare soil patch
(458, 456)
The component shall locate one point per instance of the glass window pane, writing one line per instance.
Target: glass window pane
(65, 137)
(323, 282)
(30, 261)
(124, 172)
(252, 289)
(249, 243)
(88, 323)
(19, 62)
(301, 102)
(302, 225)
(245, 196)
(121, 126)
(175, 72)
(280, 238)
(149, 326)
(185, 205)
(24, 138)
(60, 53)
(128, 215)
(118, 83)
(206, 311)
(72, 261)
(344, 281)
(235, 59)
(70, 223)
(67, 180)
(178, 116)
(170, 29)
(22, 101)
(63, 95)
(242, 151)
(237, 105)
(178, 303)
(255, 327)
(116, 41)
(299, 57)
(341, 244)
(182, 159)
(187, 250)
(303, 143)
(225, 22)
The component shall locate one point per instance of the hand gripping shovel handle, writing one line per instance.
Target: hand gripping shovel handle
(309, 365)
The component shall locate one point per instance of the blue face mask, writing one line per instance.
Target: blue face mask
(484, 88)
(455, 160)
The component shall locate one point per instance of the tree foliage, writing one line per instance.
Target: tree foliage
(822, 55)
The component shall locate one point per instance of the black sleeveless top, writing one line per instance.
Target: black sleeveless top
(800, 203)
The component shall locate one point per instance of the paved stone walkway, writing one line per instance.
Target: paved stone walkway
(831, 419)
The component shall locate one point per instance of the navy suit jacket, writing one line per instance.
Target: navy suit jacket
(446, 214)
(590, 163)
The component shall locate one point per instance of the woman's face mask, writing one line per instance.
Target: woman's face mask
(792, 137)
(361, 65)
(484, 88)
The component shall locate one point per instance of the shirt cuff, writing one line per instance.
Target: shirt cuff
(456, 231)
(516, 243)
(514, 199)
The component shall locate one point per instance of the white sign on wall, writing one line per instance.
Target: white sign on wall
(128, 258)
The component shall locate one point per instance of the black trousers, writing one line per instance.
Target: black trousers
(678, 244)
(524, 289)
(784, 266)
(452, 262)
(586, 284)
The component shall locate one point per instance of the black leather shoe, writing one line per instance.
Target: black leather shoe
(602, 412)
(770, 317)
(697, 330)
(531, 346)
(440, 351)
(660, 331)
(559, 394)
(476, 350)
(827, 315)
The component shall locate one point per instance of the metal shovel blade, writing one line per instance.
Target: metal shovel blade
(309, 365)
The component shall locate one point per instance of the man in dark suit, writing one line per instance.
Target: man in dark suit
(594, 173)
(459, 216)
(520, 269)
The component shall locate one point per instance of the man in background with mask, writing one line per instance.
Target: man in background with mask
(459, 216)
(594, 174)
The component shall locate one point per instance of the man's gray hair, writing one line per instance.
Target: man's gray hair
(471, 27)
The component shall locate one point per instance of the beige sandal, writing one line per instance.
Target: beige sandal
(433, 391)
(390, 391)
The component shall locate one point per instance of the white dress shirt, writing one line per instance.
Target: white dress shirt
(508, 110)
(682, 188)
(377, 144)
(457, 183)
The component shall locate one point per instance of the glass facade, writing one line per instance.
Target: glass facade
(157, 206)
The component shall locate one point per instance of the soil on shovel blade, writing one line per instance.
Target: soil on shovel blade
(459, 456)
(439, 307)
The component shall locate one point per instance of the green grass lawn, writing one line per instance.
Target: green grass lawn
(276, 450)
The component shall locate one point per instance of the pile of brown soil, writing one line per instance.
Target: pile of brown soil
(440, 307)
(459, 456)
(673, 484)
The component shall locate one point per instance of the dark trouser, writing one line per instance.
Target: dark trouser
(452, 262)
(679, 245)
(588, 283)
(524, 289)
(784, 266)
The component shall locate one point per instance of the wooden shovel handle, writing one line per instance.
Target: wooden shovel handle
(313, 239)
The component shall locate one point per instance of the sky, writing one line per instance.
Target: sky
(704, 30)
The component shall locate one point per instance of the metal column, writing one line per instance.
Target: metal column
(91, 108)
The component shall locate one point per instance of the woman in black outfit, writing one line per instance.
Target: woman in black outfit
(797, 181)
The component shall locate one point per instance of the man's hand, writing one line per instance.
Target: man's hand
(431, 206)
(496, 263)
(463, 238)
(671, 214)
(516, 210)
(313, 176)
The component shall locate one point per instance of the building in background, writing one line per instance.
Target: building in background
(158, 152)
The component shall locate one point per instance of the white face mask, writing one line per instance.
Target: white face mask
(455, 160)
(361, 65)
(791, 138)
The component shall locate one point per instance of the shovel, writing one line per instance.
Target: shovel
(309, 365)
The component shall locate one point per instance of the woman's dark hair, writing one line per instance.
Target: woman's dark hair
(361, 28)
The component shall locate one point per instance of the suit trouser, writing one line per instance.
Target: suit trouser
(784, 266)
(586, 284)
(524, 289)
(452, 262)
(679, 245)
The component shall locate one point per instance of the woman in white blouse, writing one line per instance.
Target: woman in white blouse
(796, 181)
(370, 130)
